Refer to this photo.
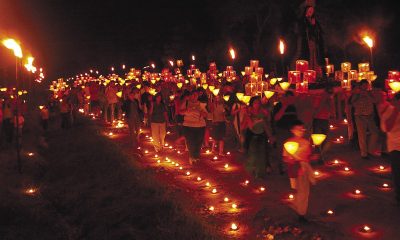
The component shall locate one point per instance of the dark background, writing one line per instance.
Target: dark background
(69, 37)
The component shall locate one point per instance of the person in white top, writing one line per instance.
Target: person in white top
(390, 124)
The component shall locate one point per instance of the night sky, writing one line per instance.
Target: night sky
(72, 36)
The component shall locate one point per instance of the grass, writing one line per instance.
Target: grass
(90, 189)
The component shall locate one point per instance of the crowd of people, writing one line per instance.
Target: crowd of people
(204, 119)
(257, 128)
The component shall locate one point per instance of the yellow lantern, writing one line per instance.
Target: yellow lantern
(246, 99)
(119, 94)
(269, 94)
(284, 85)
(318, 139)
(211, 88)
(273, 81)
(226, 98)
(179, 85)
(243, 73)
(172, 97)
(215, 91)
(239, 96)
(395, 86)
(138, 86)
(205, 86)
(291, 147)
(219, 74)
(41, 107)
(153, 81)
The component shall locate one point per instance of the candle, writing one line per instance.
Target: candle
(234, 206)
(234, 227)
(214, 190)
(330, 212)
(211, 208)
(226, 199)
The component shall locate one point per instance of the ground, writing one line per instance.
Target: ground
(90, 185)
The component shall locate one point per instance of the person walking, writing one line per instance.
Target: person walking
(159, 121)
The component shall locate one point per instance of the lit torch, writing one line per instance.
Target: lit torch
(370, 43)
(232, 53)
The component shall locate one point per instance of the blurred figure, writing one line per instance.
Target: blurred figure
(218, 125)
(132, 109)
(44, 118)
(159, 121)
(390, 124)
(363, 103)
(299, 169)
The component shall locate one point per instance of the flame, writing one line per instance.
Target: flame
(13, 45)
(193, 57)
(232, 53)
(281, 46)
(291, 147)
(171, 63)
(369, 41)
(318, 138)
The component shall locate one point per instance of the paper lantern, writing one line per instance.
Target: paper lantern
(363, 67)
(269, 94)
(318, 139)
(248, 71)
(273, 81)
(310, 76)
(211, 88)
(179, 85)
(394, 75)
(291, 147)
(353, 75)
(395, 86)
(246, 99)
(284, 85)
(345, 66)
(301, 65)
(239, 96)
(330, 69)
(119, 94)
(205, 86)
(215, 91)
(294, 77)
(226, 98)
(254, 64)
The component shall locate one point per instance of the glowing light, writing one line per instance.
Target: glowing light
(330, 212)
(385, 185)
(281, 47)
(41, 107)
(215, 158)
(345, 121)
(284, 85)
(232, 53)
(246, 99)
(381, 168)
(262, 189)
(226, 98)
(13, 45)
(234, 206)
(234, 227)
(228, 153)
(240, 96)
(316, 173)
(153, 65)
(214, 190)
(291, 196)
(208, 184)
(211, 208)
(179, 85)
(336, 161)
(30, 191)
(146, 151)
(188, 173)
(110, 134)
(395, 86)
(369, 41)
(31, 154)
(158, 161)
(193, 57)
(199, 179)
(211, 88)
(331, 126)
(226, 166)
(357, 192)
(269, 94)
(366, 229)
(347, 169)
(291, 147)
(171, 63)
(318, 139)
(215, 91)
(226, 199)
(246, 182)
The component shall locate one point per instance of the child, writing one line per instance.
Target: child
(299, 169)
(44, 117)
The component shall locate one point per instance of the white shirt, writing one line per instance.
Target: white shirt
(393, 136)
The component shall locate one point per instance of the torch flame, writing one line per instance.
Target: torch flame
(171, 63)
(369, 41)
(281, 47)
(13, 45)
(232, 52)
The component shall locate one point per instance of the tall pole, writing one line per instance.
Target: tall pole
(371, 57)
(18, 137)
